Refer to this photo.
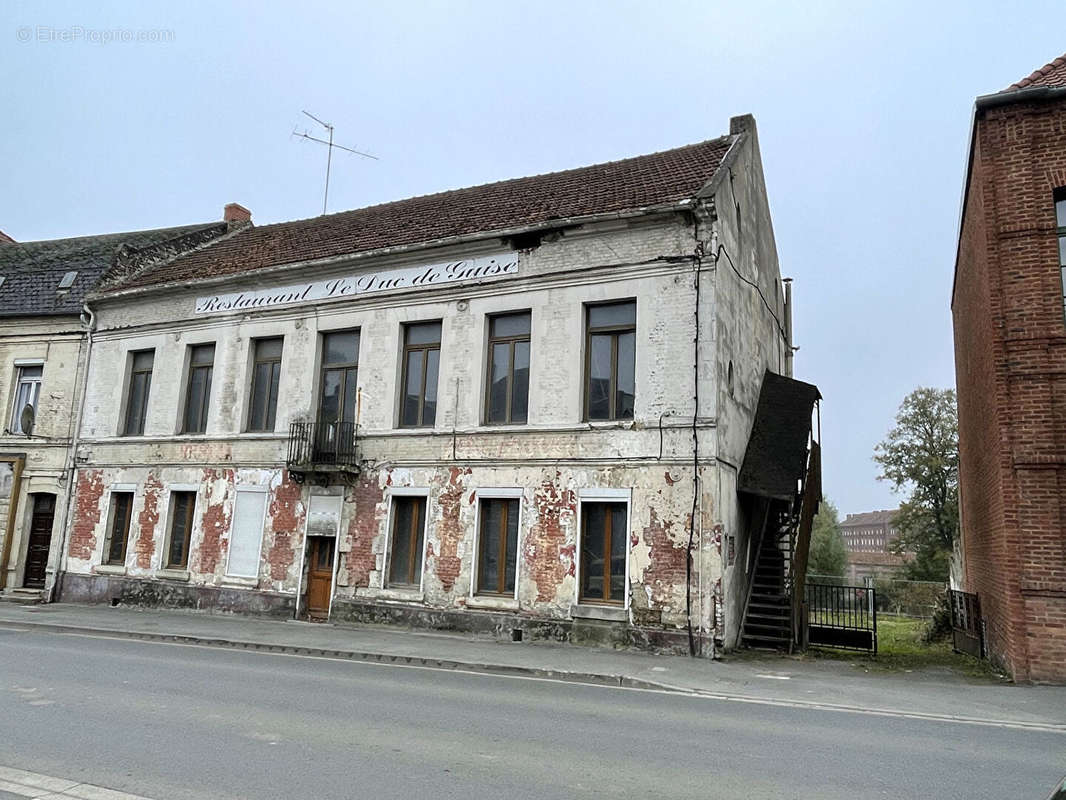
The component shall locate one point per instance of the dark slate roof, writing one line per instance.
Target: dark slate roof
(776, 458)
(1051, 75)
(31, 271)
(626, 185)
(870, 518)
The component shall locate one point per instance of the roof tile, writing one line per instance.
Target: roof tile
(1051, 75)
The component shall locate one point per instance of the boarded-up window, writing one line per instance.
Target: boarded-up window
(246, 535)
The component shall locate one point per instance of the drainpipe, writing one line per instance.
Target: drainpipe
(789, 349)
(88, 319)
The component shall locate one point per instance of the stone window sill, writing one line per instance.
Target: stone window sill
(484, 603)
(240, 581)
(109, 569)
(173, 574)
(392, 595)
(605, 613)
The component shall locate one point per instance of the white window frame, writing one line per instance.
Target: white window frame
(20, 364)
(493, 493)
(405, 491)
(262, 528)
(602, 495)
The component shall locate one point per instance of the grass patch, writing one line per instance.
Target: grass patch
(900, 648)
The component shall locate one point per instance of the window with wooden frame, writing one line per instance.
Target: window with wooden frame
(119, 527)
(27, 394)
(497, 547)
(408, 533)
(182, 505)
(198, 389)
(1060, 223)
(507, 387)
(141, 364)
(339, 379)
(604, 539)
(610, 360)
(421, 363)
(266, 377)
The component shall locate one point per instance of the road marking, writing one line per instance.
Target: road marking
(811, 705)
(48, 787)
(775, 677)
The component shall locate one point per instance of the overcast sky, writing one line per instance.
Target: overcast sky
(863, 113)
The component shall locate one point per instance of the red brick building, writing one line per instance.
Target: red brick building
(1010, 361)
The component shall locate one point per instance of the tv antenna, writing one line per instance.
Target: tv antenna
(329, 150)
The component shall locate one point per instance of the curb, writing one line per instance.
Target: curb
(599, 679)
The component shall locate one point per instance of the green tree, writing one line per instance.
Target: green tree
(828, 555)
(920, 455)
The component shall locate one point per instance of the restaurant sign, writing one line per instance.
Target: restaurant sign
(419, 277)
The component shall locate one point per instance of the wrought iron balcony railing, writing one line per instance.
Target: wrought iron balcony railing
(322, 446)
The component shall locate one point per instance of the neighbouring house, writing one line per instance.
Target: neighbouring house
(869, 538)
(43, 350)
(1010, 361)
(522, 408)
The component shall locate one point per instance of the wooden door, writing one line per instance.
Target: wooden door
(319, 576)
(44, 509)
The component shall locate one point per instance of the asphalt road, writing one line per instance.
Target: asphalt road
(170, 721)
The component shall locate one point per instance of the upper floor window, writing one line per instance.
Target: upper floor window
(137, 397)
(266, 376)
(508, 382)
(610, 360)
(27, 393)
(198, 390)
(340, 373)
(1060, 222)
(421, 363)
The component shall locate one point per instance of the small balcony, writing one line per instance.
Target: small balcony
(321, 448)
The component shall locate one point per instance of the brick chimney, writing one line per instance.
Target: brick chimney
(236, 213)
(5, 239)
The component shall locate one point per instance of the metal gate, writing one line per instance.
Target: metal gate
(842, 616)
(967, 627)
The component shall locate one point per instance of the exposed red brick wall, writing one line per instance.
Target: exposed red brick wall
(666, 570)
(449, 530)
(144, 545)
(1010, 354)
(286, 521)
(548, 559)
(363, 526)
(215, 521)
(86, 513)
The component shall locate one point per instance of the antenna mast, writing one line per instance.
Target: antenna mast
(329, 150)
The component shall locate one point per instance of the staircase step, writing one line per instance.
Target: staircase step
(22, 596)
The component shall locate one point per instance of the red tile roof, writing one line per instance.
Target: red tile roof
(1052, 74)
(626, 185)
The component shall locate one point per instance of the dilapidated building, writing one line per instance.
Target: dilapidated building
(520, 408)
(43, 349)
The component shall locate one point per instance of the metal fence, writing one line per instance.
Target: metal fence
(896, 596)
(967, 627)
(321, 444)
(842, 616)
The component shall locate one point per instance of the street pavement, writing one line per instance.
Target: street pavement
(163, 720)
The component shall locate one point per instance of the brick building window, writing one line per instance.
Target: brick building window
(1060, 222)
(421, 362)
(603, 552)
(497, 546)
(610, 360)
(507, 394)
(340, 377)
(266, 377)
(408, 536)
(182, 505)
(118, 528)
(198, 390)
(137, 394)
(27, 393)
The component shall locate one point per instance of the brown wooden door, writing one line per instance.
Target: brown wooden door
(44, 509)
(319, 575)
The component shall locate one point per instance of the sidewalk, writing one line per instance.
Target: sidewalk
(822, 684)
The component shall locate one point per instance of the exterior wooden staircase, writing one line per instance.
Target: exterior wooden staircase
(768, 622)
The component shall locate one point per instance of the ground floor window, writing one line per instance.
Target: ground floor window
(603, 552)
(119, 527)
(497, 546)
(181, 510)
(407, 536)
